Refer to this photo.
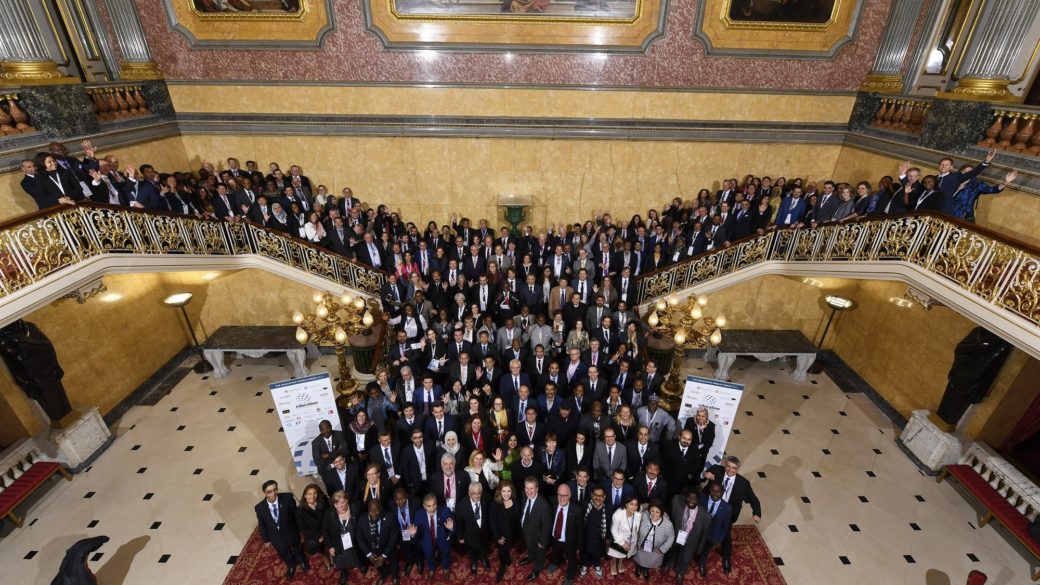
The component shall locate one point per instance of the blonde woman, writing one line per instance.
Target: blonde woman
(341, 534)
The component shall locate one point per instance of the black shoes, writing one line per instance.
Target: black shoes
(704, 571)
(532, 576)
(525, 560)
(290, 572)
(726, 568)
(500, 574)
(487, 565)
(473, 569)
(306, 567)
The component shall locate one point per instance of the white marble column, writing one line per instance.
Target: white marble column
(23, 52)
(885, 74)
(992, 61)
(136, 61)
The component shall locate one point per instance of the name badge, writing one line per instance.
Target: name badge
(451, 504)
(346, 540)
(680, 539)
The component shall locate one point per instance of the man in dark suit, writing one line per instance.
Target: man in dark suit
(608, 456)
(405, 510)
(736, 491)
(427, 395)
(641, 452)
(417, 463)
(433, 529)
(530, 432)
(649, 485)
(617, 489)
(327, 442)
(474, 527)
(448, 484)
(338, 240)
(535, 525)
(511, 382)
(691, 522)
(438, 424)
(792, 209)
(681, 461)
(276, 515)
(718, 528)
(392, 293)
(651, 379)
(567, 532)
(385, 453)
(341, 475)
(827, 203)
(409, 421)
(377, 538)
(223, 205)
(367, 252)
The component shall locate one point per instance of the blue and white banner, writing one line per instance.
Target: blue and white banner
(302, 403)
(722, 400)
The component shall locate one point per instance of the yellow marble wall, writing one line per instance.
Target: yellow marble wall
(1012, 212)
(165, 154)
(107, 349)
(904, 353)
(533, 102)
(429, 178)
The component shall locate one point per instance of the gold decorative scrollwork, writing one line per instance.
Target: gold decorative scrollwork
(1022, 294)
(959, 254)
(990, 274)
(320, 263)
(752, 252)
(846, 242)
(112, 229)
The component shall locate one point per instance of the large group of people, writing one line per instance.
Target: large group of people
(517, 406)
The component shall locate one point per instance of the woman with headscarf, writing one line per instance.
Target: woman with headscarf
(359, 436)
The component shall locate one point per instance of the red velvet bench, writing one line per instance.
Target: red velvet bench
(998, 507)
(25, 485)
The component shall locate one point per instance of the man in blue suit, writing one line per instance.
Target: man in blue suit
(718, 529)
(792, 209)
(439, 424)
(427, 395)
(433, 530)
(617, 490)
(511, 382)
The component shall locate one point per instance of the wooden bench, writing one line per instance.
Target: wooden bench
(999, 497)
(27, 483)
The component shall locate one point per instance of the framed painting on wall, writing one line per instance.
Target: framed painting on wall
(252, 24)
(626, 26)
(777, 28)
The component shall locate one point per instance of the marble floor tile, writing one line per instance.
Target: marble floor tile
(194, 462)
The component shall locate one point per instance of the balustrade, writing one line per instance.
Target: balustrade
(902, 115)
(1013, 131)
(12, 118)
(117, 102)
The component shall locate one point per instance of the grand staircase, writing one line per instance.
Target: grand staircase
(988, 277)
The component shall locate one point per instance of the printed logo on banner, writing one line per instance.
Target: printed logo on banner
(302, 404)
(722, 400)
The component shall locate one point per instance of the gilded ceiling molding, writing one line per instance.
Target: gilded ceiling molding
(252, 24)
(760, 28)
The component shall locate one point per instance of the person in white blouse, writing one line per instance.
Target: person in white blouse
(624, 530)
(314, 231)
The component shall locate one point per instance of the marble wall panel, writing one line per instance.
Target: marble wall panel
(350, 54)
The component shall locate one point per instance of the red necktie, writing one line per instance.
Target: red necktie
(433, 531)
(649, 487)
(558, 527)
(447, 488)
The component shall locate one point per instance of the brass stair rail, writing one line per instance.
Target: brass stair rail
(39, 245)
(991, 267)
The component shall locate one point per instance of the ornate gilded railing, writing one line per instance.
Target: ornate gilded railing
(41, 244)
(991, 267)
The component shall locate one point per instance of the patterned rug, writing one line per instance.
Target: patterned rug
(752, 565)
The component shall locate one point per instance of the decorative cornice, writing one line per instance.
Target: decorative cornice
(139, 70)
(32, 73)
(877, 82)
(983, 90)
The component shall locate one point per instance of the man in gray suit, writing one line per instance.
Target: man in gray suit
(608, 456)
(691, 522)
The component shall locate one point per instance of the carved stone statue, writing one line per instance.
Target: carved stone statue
(33, 363)
(976, 363)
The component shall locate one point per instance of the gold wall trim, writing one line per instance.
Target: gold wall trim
(134, 70)
(877, 82)
(32, 73)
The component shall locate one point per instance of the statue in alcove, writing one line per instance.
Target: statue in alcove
(33, 363)
(976, 363)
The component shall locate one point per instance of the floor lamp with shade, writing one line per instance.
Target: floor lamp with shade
(180, 300)
(836, 304)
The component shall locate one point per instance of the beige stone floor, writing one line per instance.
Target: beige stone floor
(841, 503)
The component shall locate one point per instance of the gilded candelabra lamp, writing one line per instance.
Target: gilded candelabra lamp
(691, 328)
(333, 321)
(514, 206)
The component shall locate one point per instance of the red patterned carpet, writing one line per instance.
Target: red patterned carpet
(752, 565)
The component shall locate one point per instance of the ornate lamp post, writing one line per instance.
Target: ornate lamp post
(691, 328)
(334, 320)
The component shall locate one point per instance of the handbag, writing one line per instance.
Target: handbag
(618, 548)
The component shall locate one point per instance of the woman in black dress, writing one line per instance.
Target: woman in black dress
(340, 529)
(309, 517)
(504, 520)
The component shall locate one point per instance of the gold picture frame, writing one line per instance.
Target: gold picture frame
(725, 35)
(630, 33)
(257, 29)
